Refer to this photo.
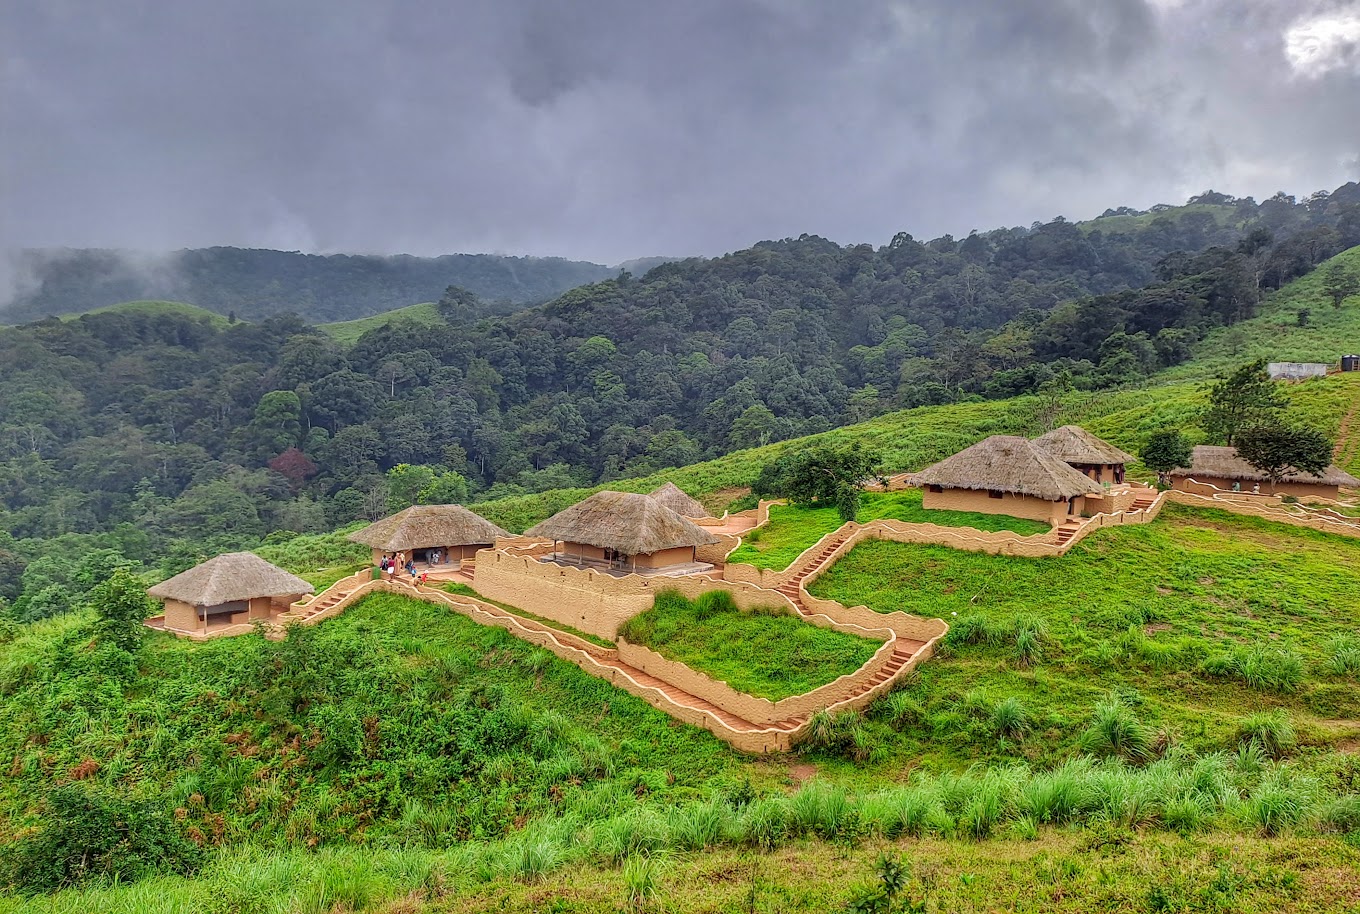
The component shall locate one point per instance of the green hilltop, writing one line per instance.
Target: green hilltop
(348, 332)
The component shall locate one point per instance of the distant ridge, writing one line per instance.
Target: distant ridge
(255, 283)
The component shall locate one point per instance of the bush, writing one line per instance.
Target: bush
(1009, 718)
(1271, 730)
(88, 834)
(1262, 667)
(1345, 659)
(1116, 731)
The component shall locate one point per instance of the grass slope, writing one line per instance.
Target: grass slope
(793, 529)
(348, 332)
(767, 654)
(157, 309)
(1120, 225)
(1275, 335)
(1196, 619)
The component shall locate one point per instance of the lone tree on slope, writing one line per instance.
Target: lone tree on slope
(1339, 283)
(1247, 397)
(1164, 451)
(1283, 450)
(822, 475)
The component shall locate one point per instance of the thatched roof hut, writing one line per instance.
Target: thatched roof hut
(229, 578)
(1006, 463)
(1213, 462)
(1074, 444)
(624, 522)
(673, 497)
(427, 527)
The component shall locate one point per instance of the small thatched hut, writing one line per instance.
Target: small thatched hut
(1005, 474)
(443, 533)
(673, 497)
(235, 587)
(1221, 468)
(1079, 449)
(623, 530)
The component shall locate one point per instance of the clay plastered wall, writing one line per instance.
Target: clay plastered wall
(1270, 508)
(1209, 485)
(749, 707)
(682, 555)
(181, 617)
(1112, 502)
(1009, 504)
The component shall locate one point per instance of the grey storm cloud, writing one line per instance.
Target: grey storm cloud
(611, 129)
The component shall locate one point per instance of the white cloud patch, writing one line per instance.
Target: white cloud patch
(1325, 43)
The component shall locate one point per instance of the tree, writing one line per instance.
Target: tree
(1165, 450)
(1339, 283)
(826, 475)
(1279, 450)
(1246, 397)
(122, 605)
(293, 466)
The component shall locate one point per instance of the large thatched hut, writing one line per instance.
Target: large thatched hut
(673, 497)
(431, 534)
(1079, 449)
(1005, 474)
(623, 531)
(1221, 468)
(232, 588)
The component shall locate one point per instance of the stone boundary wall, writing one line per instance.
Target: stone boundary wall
(226, 631)
(750, 707)
(591, 600)
(1269, 507)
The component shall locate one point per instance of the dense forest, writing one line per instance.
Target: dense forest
(254, 284)
(159, 435)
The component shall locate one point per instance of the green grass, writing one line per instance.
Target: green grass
(1119, 225)
(1188, 621)
(769, 654)
(466, 591)
(793, 529)
(348, 332)
(1275, 335)
(158, 309)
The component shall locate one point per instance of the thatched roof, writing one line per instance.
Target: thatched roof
(1074, 444)
(1213, 462)
(627, 523)
(428, 526)
(673, 497)
(228, 578)
(1005, 463)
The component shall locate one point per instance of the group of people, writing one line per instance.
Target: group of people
(391, 564)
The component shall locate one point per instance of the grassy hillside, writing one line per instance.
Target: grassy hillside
(348, 332)
(1275, 333)
(435, 765)
(158, 309)
(1115, 225)
(912, 439)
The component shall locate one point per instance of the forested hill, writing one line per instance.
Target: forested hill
(150, 427)
(255, 284)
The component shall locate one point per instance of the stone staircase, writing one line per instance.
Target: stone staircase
(323, 601)
(1066, 530)
(791, 587)
(1145, 499)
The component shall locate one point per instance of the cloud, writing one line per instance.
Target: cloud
(608, 129)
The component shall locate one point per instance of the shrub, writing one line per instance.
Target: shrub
(1279, 800)
(1116, 731)
(1271, 730)
(1009, 718)
(1270, 669)
(825, 811)
(642, 881)
(1345, 659)
(88, 834)
(899, 710)
(767, 823)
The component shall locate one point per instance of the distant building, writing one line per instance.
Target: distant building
(673, 497)
(449, 533)
(1082, 451)
(1221, 468)
(1296, 371)
(1005, 474)
(624, 532)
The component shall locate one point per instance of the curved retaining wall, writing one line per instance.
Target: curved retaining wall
(750, 707)
(1273, 508)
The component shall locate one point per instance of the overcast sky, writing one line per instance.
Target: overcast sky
(611, 129)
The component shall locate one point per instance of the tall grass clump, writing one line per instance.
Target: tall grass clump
(1115, 730)
(824, 810)
(1281, 799)
(1271, 730)
(1345, 658)
(1262, 667)
(642, 876)
(1009, 718)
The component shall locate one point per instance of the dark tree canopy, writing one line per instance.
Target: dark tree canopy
(1280, 450)
(1246, 397)
(1165, 450)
